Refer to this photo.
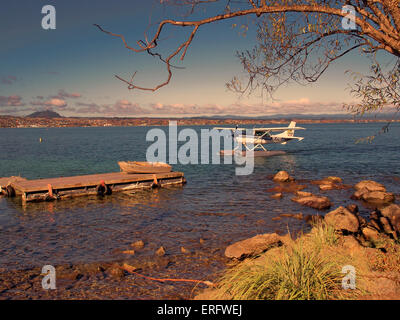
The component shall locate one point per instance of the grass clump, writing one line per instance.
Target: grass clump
(308, 268)
(324, 235)
(296, 273)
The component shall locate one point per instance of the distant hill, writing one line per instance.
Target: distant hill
(44, 114)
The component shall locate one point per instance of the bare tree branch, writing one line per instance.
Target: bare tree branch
(377, 29)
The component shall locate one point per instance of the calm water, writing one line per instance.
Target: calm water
(215, 205)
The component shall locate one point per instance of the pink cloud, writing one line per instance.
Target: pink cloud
(124, 107)
(11, 101)
(54, 102)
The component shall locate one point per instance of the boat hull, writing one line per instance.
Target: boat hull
(144, 167)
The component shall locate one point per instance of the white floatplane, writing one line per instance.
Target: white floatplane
(261, 136)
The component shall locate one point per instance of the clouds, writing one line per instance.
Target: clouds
(73, 103)
(9, 80)
(301, 106)
(125, 107)
(11, 101)
(86, 108)
(119, 108)
(62, 94)
(55, 102)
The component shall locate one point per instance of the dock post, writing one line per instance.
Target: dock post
(155, 183)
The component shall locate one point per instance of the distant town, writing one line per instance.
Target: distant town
(50, 119)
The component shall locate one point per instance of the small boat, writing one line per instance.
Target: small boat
(144, 167)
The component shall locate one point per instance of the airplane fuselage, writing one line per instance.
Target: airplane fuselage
(256, 140)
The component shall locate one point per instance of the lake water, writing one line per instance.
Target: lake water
(215, 205)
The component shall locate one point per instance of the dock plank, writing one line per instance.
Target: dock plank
(7, 180)
(60, 183)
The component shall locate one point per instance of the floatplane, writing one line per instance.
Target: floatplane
(260, 137)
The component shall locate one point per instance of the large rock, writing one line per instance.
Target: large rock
(282, 176)
(370, 233)
(378, 197)
(392, 212)
(372, 192)
(381, 223)
(253, 246)
(342, 219)
(314, 201)
(303, 194)
(351, 244)
(370, 186)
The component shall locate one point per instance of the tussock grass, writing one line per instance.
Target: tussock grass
(324, 235)
(305, 269)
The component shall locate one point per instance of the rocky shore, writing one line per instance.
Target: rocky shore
(341, 237)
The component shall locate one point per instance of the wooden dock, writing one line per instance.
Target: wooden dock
(68, 187)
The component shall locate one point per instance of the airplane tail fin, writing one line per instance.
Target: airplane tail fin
(290, 133)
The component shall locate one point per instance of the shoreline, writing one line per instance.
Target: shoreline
(344, 256)
(104, 280)
(71, 122)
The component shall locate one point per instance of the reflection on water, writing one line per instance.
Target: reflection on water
(216, 205)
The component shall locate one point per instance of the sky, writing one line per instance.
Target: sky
(71, 69)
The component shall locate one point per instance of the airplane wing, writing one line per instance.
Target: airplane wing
(278, 129)
(224, 128)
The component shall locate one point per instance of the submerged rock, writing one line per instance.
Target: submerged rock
(370, 185)
(277, 195)
(298, 216)
(303, 194)
(138, 244)
(342, 219)
(313, 201)
(283, 176)
(333, 179)
(130, 252)
(184, 250)
(326, 186)
(290, 187)
(161, 251)
(253, 246)
(330, 183)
